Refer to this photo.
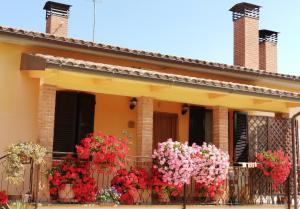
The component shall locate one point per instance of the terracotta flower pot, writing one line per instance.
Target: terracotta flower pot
(66, 194)
(163, 198)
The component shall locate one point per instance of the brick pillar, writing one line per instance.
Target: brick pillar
(220, 128)
(46, 116)
(145, 126)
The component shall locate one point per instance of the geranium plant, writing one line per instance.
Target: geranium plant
(20, 153)
(72, 171)
(211, 169)
(106, 152)
(3, 199)
(208, 193)
(164, 190)
(211, 164)
(173, 161)
(130, 183)
(275, 165)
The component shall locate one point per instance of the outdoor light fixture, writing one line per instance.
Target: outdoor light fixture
(184, 109)
(133, 103)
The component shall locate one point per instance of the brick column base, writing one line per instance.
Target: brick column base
(144, 126)
(46, 117)
(220, 128)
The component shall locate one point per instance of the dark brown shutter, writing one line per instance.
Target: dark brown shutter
(241, 145)
(197, 125)
(86, 111)
(65, 122)
(74, 119)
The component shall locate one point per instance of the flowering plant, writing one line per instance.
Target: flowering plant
(128, 183)
(207, 193)
(275, 165)
(173, 161)
(17, 154)
(163, 189)
(109, 195)
(3, 199)
(105, 152)
(74, 172)
(211, 164)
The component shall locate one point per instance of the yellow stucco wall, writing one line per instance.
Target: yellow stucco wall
(18, 100)
(112, 115)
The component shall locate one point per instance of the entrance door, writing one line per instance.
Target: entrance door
(165, 126)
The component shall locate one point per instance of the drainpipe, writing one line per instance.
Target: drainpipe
(294, 137)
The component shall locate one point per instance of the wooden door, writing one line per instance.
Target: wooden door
(165, 126)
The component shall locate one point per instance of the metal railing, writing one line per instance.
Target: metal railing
(243, 186)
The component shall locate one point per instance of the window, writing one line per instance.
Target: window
(74, 119)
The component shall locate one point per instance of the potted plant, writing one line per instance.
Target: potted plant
(275, 165)
(173, 161)
(70, 180)
(19, 154)
(3, 200)
(108, 196)
(210, 171)
(106, 152)
(164, 191)
(130, 183)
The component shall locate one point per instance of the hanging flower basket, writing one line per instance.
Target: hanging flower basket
(275, 165)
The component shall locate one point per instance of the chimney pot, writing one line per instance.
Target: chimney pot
(57, 15)
(245, 10)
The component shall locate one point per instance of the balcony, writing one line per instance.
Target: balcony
(244, 187)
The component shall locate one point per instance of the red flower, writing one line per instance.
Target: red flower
(106, 152)
(72, 171)
(275, 165)
(128, 183)
(3, 198)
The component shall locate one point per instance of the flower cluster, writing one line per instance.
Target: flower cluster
(3, 198)
(275, 165)
(208, 193)
(17, 154)
(105, 152)
(163, 189)
(128, 183)
(211, 164)
(74, 172)
(173, 161)
(109, 195)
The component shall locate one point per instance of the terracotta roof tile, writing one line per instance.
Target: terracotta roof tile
(158, 76)
(125, 51)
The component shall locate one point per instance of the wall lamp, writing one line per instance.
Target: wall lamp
(184, 109)
(133, 103)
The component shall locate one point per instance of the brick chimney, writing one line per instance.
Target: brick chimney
(268, 50)
(57, 15)
(246, 26)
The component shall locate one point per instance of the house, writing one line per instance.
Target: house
(56, 89)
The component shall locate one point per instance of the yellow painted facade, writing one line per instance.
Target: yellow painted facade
(19, 93)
